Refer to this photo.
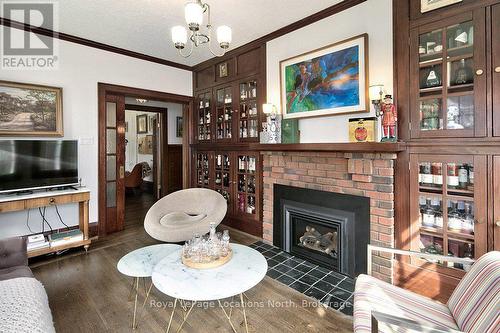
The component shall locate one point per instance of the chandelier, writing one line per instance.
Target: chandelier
(193, 13)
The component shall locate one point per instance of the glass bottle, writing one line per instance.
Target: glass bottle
(428, 217)
(463, 75)
(225, 243)
(454, 218)
(470, 185)
(438, 213)
(453, 180)
(437, 174)
(463, 176)
(427, 178)
(422, 205)
(468, 221)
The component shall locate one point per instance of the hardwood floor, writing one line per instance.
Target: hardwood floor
(136, 207)
(87, 294)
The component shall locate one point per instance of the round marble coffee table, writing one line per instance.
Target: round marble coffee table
(245, 270)
(140, 263)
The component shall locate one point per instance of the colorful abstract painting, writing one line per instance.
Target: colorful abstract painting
(331, 80)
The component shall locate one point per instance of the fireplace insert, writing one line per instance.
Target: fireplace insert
(329, 229)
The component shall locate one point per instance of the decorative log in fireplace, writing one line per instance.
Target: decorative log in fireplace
(314, 240)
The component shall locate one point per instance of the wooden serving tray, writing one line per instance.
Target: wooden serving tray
(207, 265)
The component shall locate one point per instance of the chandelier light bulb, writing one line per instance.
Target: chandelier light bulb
(224, 36)
(193, 12)
(179, 36)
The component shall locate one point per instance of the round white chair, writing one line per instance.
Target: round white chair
(179, 215)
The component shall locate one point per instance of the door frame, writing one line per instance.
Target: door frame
(104, 89)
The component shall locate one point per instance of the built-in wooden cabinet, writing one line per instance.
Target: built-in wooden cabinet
(495, 58)
(448, 77)
(449, 205)
(249, 114)
(237, 176)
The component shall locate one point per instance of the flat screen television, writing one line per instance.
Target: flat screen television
(35, 164)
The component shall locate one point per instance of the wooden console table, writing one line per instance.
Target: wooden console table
(13, 202)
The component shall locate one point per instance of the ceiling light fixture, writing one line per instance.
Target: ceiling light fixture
(193, 13)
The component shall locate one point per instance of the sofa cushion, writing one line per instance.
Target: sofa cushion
(475, 302)
(15, 272)
(372, 294)
(24, 307)
(13, 252)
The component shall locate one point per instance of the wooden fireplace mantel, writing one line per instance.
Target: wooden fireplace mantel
(379, 147)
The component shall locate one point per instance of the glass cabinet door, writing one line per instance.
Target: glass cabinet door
(448, 205)
(248, 124)
(203, 176)
(224, 112)
(247, 185)
(449, 80)
(223, 179)
(204, 117)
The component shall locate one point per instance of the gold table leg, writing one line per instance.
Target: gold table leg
(228, 316)
(244, 313)
(185, 318)
(172, 315)
(135, 301)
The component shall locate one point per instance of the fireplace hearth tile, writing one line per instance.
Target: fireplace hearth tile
(285, 279)
(272, 273)
(299, 286)
(323, 285)
(347, 284)
(316, 293)
(328, 287)
(272, 262)
(340, 293)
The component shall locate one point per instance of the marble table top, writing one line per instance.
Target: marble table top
(245, 270)
(140, 262)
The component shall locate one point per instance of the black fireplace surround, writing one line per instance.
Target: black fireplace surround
(329, 229)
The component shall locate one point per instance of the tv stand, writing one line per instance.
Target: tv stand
(9, 203)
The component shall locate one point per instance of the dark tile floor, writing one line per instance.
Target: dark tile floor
(328, 287)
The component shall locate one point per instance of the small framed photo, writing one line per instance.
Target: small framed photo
(223, 69)
(428, 5)
(178, 127)
(142, 124)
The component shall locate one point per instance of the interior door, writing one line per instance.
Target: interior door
(495, 54)
(115, 163)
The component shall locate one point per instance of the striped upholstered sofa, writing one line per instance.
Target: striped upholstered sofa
(473, 307)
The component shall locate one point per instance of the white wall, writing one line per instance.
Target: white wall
(373, 17)
(80, 69)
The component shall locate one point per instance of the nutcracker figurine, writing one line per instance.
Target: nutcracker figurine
(389, 120)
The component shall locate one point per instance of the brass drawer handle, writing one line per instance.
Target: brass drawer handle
(479, 72)
(52, 201)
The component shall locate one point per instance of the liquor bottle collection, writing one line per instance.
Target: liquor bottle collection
(459, 176)
(460, 214)
(224, 114)
(246, 184)
(204, 132)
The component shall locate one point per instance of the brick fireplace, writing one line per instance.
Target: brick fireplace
(362, 174)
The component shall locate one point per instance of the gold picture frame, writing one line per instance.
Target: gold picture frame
(429, 5)
(30, 110)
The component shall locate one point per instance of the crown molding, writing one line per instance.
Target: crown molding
(90, 43)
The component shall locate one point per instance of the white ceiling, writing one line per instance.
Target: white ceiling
(144, 26)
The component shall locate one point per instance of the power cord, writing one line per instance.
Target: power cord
(28, 221)
(60, 218)
(44, 220)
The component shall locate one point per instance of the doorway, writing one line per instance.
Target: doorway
(150, 135)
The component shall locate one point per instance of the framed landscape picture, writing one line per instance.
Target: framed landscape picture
(30, 110)
(328, 81)
(428, 5)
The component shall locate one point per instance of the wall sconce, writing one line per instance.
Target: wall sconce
(376, 93)
(273, 123)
